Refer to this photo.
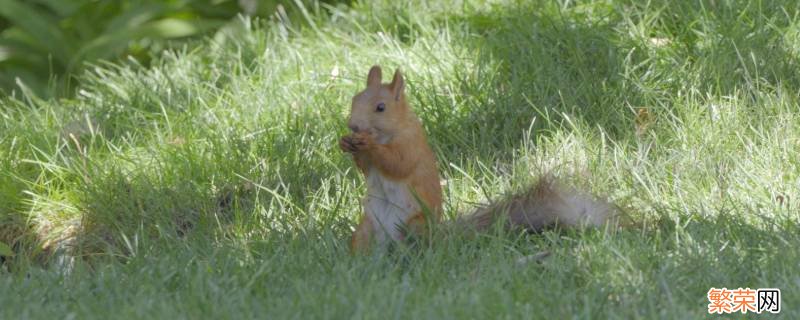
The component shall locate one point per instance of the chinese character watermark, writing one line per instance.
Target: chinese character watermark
(769, 300)
(744, 300)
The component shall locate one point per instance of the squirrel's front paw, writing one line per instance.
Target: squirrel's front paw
(356, 142)
(359, 141)
(347, 145)
(362, 140)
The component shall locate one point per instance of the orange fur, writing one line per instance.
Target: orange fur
(361, 236)
(391, 150)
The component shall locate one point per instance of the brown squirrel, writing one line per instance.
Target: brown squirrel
(390, 148)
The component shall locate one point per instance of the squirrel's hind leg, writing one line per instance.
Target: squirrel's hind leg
(362, 236)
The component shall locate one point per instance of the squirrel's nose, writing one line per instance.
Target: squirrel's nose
(353, 127)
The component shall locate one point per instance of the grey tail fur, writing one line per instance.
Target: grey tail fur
(544, 205)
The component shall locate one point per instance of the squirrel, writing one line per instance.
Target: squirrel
(389, 146)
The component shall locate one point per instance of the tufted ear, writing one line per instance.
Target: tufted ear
(397, 85)
(374, 76)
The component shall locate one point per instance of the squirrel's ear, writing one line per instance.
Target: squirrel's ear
(398, 84)
(374, 76)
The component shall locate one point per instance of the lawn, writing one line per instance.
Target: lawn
(209, 184)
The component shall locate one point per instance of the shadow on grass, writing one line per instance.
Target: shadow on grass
(535, 62)
(187, 193)
(229, 188)
(585, 62)
(726, 247)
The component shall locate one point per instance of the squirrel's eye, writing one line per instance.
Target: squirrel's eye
(380, 107)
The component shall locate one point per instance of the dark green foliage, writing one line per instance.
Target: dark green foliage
(44, 43)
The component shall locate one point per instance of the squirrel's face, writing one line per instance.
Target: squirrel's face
(380, 108)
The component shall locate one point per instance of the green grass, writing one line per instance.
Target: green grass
(209, 185)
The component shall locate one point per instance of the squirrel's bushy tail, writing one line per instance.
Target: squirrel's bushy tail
(546, 204)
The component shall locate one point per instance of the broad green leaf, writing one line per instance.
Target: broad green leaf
(134, 18)
(61, 7)
(110, 43)
(175, 28)
(19, 49)
(5, 53)
(45, 31)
